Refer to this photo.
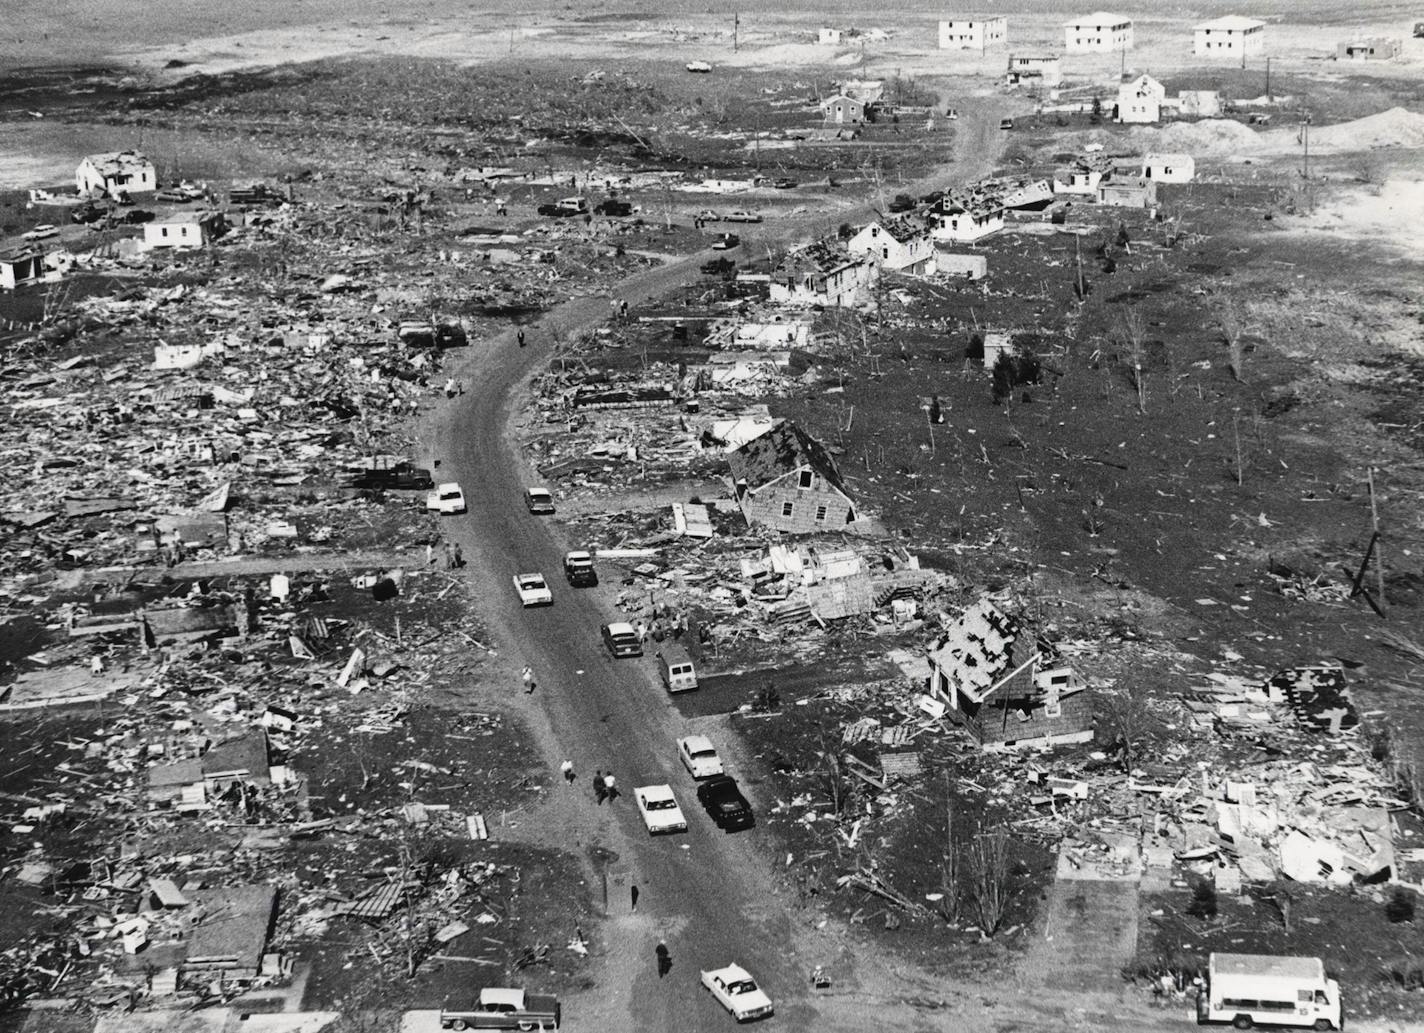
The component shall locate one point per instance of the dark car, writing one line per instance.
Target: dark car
(1006, 123)
(783, 183)
(578, 569)
(614, 208)
(719, 267)
(725, 803)
(402, 476)
(902, 203)
(726, 242)
(622, 640)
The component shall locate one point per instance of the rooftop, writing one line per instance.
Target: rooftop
(782, 449)
(1100, 18)
(118, 161)
(1230, 23)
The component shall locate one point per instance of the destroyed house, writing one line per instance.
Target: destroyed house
(966, 224)
(895, 245)
(999, 682)
(188, 784)
(230, 937)
(116, 174)
(184, 230)
(820, 274)
(1127, 192)
(1083, 178)
(25, 265)
(786, 480)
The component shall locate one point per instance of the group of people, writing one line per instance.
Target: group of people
(664, 624)
(454, 557)
(604, 784)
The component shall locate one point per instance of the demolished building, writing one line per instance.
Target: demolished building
(785, 480)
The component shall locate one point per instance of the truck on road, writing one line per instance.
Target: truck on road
(1269, 990)
(504, 1008)
(565, 208)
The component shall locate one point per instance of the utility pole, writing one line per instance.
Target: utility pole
(736, 24)
(1305, 145)
(1268, 80)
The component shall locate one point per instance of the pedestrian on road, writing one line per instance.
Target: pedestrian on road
(642, 630)
(608, 787)
(623, 311)
(600, 790)
(430, 554)
(521, 337)
(633, 893)
(528, 678)
(664, 959)
(459, 556)
(567, 767)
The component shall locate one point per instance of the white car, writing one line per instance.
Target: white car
(42, 232)
(533, 590)
(659, 809)
(737, 991)
(446, 498)
(699, 757)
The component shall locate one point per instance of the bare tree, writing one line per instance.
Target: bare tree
(1133, 332)
(835, 777)
(1132, 725)
(951, 865)
(988, 872)
(1233, 332)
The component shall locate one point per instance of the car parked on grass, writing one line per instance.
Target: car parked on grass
(539, 501)
(699, 756)
(533, 590)
(741, 216)
(736, 990)
(621, 640)
(722, 799)
(708, 215)
(614, 208)
(578, 569)
(783, 183)
(659, 809)
(41, 232)
(1006, 123)
(446, 499)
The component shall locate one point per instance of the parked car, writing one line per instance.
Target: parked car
(614, 208)
(719, 267)
(736, 990)
(741, 216)
(726, 242)
(621, 640)
(701, 67)
(724, 803)
(659, 809)
(505, 1008)
(446, 499)
(951, 113)
(533, 590)
(699, 756)
(708, 215)
(578, 569)
(783, 183)
(1006, 123)
(539, 501)
(41, 232)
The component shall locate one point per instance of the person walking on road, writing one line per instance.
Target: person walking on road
(664, 959)
(608, 788)
(459, 557)
(528, 677)
(633, 895)
(567, 768)
(521, 337)
(600, 789)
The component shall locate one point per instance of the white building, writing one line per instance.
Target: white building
(183, 230)
(820, 274)
(116, 174)
(896, 246)
(1098, 33)
(1169, 168)
(1034, 70)
(964, 225)
(829, 37)
(973, 33)
(1232, 36)
(1140, 101)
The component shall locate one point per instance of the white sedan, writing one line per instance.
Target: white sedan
(737, 991)
(659, 809)
(699, 756)
(41, 232)
(447, 498)
(533, 590)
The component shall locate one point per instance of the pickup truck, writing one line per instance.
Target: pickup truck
(613, 208)
(504, 1008)
(401, 475)
(565, 208)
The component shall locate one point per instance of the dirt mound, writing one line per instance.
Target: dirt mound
(1393, 128)
(1207, 138)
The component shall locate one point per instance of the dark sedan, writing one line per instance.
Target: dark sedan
(725, 803)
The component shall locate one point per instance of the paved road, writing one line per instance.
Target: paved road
(711, 894)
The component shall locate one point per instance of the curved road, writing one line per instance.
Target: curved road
(711, 894)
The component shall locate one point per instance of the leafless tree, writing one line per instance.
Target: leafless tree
(1133, 334)
(988, 873)
(836, 780)
(1279, 896)
(1131, 723)
(951, 865)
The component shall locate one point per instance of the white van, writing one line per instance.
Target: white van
(1246, 989)
(676, 669)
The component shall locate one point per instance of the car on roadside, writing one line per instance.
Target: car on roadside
(539, 501)
(741, 215)
(41, 232)
(578, 569)
(533, 590)
(401, 475)
(783, 183)
(447, 499)
(726, 242)
(951, 113)
(613, 208)
(724, 803)
(1006, 123)
(737, 991)
(659, 809)
(622, 640)
(699, 756)
(708, 215)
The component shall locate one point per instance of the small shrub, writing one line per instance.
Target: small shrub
(1400, 906)
(1203, 903)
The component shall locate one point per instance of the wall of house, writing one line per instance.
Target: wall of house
(1097, 39)
(767, 507)
(1027, 718)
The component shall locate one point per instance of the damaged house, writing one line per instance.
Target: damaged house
(190, 784)
(895, 245)
(118, 174)
(820, 274)
(785, 480)
(1000, 682)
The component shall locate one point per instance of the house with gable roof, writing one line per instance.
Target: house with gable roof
(896, 245)
(785, 480)
(1002, 683)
